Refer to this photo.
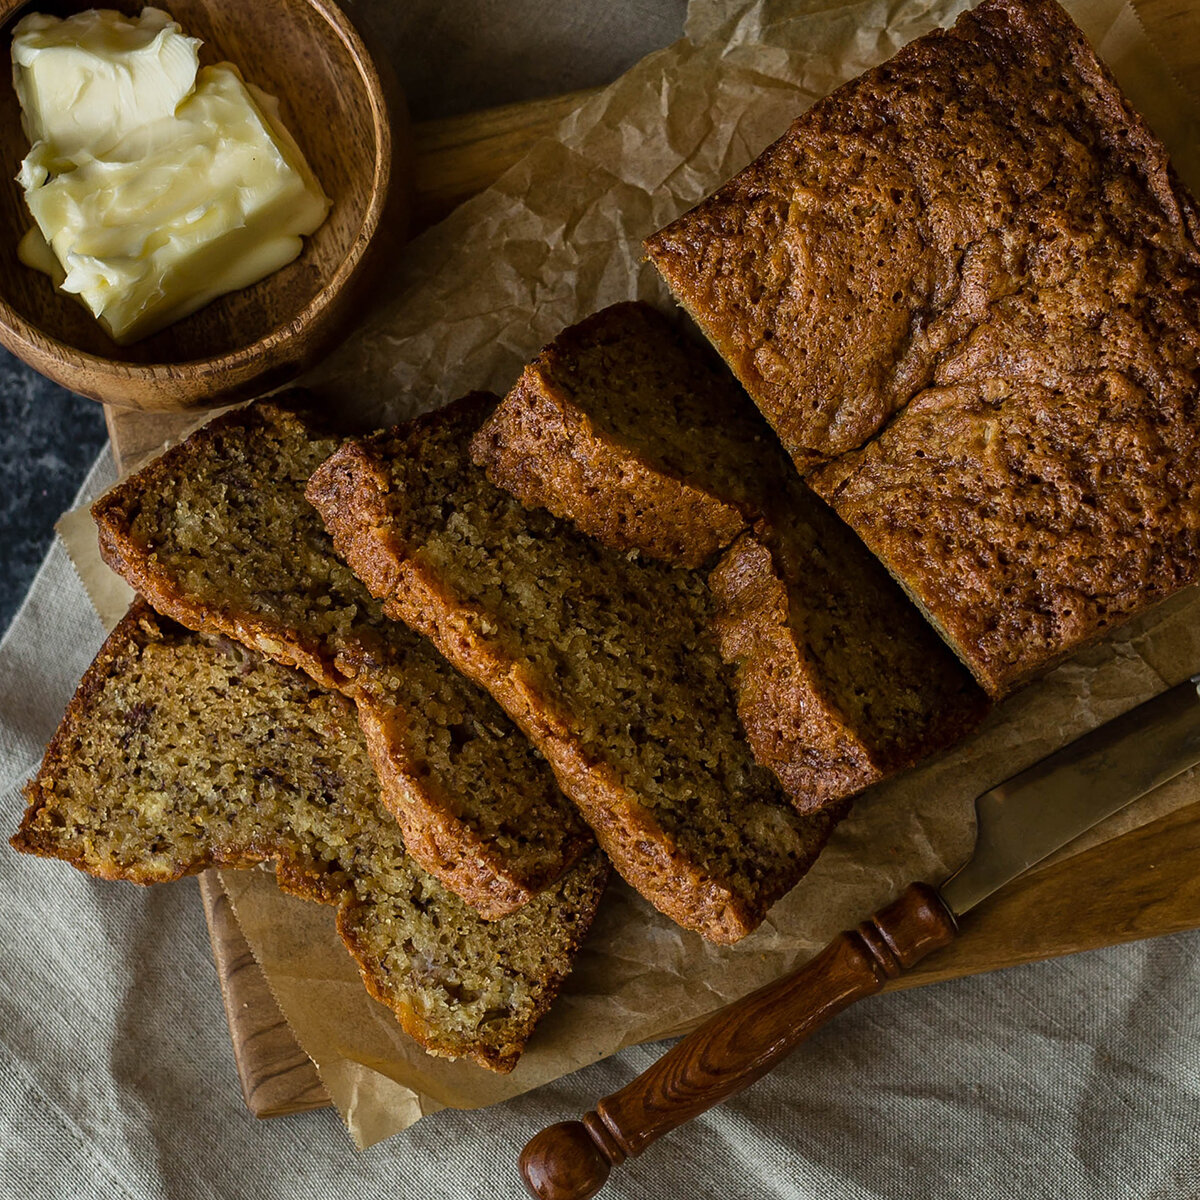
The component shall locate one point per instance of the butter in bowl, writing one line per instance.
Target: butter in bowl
(154, 186)
(193, 195)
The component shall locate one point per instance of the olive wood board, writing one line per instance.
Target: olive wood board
(1144, 884)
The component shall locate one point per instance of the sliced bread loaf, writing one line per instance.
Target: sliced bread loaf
(606, 660)
(619, 427)
(181, 751)
(840, 681)
(217, 534)
(640, 437)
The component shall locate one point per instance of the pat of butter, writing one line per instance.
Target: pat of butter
(150, 224)
(87, 81)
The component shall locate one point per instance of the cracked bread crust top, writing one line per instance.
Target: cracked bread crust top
(985, 203)
(1028, 520)
(604, 660)
(1004, 404)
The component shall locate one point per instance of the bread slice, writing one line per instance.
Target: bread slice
(637, 435)
(604, 659)
(840, 681)
(182, 751)
(217, 534)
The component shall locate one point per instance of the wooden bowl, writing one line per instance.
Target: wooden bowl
(307, 54)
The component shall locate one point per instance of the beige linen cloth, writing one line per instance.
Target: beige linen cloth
(1065, 1079)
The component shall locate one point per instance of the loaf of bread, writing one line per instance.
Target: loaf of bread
(182, 751)
(972, 280)
(604, 659)
(217, 534)
(636, 434)
(840, 681)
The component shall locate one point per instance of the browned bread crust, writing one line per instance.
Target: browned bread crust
(988, 180)
(1028, 520)
(216, 533)
(1007, 393)
(626, 428)
(179, 753)
(601, 659)
(840, 682)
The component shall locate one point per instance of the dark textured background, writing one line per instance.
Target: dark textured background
(50, 439)
(507, 52)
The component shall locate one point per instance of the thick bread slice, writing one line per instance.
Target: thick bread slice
(217, 534)
(181, 751)
(640, 437)
(840, 681)
(605, 660)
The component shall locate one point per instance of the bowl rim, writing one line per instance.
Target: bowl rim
(25, 334)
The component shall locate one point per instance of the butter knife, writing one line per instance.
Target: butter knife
(1020, 822)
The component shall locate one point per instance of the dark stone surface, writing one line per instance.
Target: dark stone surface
(509, 50)
(50, 439)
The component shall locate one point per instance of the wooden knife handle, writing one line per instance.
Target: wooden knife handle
(741, 1043)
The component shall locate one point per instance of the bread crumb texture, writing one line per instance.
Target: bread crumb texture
(606, 660)
(217, 534)
(182, 751)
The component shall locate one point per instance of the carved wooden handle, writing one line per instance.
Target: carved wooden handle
(741, 1043)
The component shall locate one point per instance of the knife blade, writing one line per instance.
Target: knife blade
(1019, 823)
(1026, 818)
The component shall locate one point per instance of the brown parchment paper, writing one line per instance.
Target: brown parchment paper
(468, 302)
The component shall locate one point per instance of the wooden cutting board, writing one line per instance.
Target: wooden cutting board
(1144, 884)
